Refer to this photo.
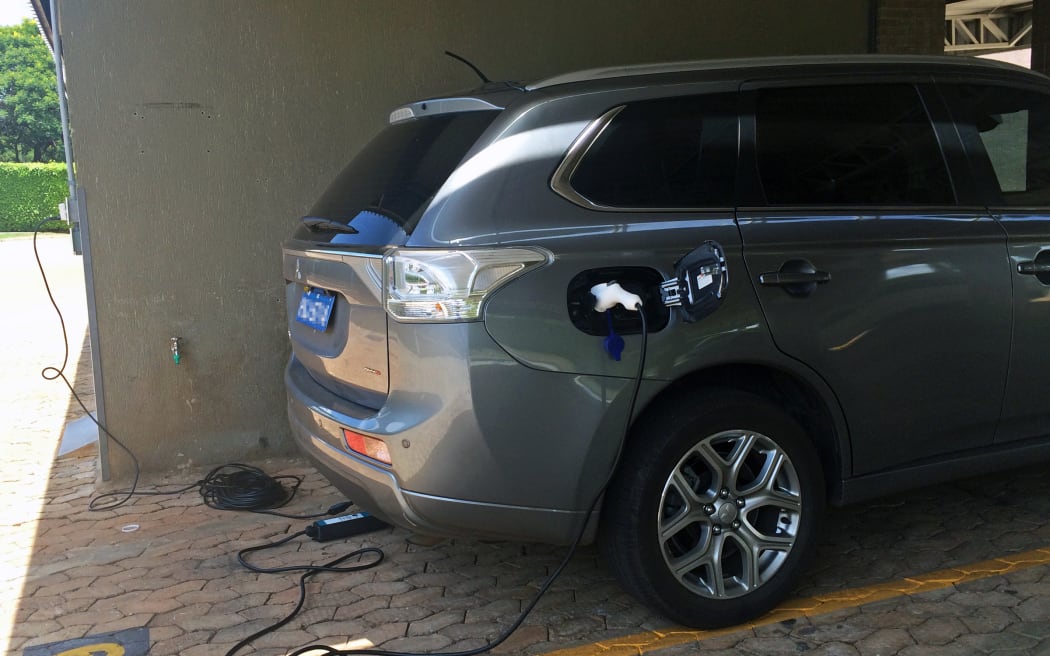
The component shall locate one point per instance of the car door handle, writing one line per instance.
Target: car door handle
(796, 277)
(785, 278)
(1033, 268)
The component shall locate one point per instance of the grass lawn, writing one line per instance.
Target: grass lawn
(29, 235)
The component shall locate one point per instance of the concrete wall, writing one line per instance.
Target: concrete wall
(204, 129)
(910, 27)
(1041, 37)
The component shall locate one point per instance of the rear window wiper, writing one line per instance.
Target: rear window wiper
(386, 214)
(315, 223)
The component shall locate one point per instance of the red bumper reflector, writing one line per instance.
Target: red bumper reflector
(370, 447)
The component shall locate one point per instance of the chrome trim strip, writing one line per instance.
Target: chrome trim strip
(334, 256)
(360, 263)
(493, 504)
(560, 181)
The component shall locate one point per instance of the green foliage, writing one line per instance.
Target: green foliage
(30, 128)
(30, 193)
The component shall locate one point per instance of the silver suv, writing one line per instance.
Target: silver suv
(679, 308)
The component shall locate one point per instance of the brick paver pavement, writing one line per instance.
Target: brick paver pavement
(66, 572)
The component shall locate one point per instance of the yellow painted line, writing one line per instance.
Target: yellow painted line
(640, 643)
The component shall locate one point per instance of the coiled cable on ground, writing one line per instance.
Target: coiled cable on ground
(243, 487)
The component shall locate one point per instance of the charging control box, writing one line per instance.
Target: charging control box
(344, 526)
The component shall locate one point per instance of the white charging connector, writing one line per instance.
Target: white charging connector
(608, 294)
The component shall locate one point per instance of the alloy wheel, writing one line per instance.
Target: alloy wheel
(730, 512)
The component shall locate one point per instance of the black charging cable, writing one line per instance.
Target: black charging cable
(59, 373)
(307, 570)
(325, 650)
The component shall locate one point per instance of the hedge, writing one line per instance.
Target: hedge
(30, 193)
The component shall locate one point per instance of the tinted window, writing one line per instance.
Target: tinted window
(849, 145)
(675, 152)
(399, 171)
(1013, 127)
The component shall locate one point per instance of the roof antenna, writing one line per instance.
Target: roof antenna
(474, 68)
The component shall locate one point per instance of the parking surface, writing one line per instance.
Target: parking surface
(952, 569)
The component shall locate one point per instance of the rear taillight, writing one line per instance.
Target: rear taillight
(450, 285)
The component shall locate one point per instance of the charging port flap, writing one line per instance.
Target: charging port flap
(700, 282)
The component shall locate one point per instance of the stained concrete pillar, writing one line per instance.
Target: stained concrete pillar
(909, 27)
(1041, 36)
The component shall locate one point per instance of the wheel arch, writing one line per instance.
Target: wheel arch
(815, 411)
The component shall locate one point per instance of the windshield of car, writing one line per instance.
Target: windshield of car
(389, 184)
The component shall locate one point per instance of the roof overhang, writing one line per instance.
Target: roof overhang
(42, 9)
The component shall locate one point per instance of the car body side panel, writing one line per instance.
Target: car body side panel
(912, 331)
(1012, 127)
(494, 424)
(1026, 413)
(530, 317)
(910, 324)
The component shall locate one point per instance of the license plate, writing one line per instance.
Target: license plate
(315, 308)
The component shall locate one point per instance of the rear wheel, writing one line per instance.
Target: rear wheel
(714, 508)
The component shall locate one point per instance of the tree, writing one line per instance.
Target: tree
(30, 128)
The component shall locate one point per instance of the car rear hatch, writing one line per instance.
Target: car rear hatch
(333, 261)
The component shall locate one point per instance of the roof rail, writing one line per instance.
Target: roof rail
(761, 62)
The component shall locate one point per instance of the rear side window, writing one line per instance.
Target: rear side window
(1013, 128)
(399, 171)
(663, 154)
(849, 145)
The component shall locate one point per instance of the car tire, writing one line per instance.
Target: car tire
(713, 511)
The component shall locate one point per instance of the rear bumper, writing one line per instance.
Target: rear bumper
(376, 489)
(491, 449)
(370, 486)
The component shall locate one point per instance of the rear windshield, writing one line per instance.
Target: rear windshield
(398, 172)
